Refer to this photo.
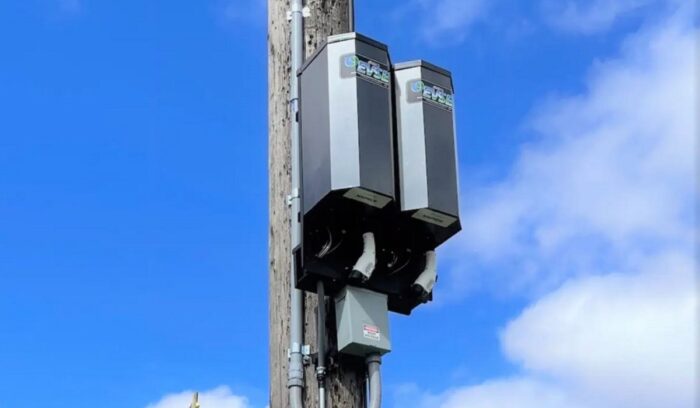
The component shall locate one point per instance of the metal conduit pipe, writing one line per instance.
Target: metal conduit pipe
(374, 361)
(351, 15)
(322, 396)
(296, 338)
(321, 346)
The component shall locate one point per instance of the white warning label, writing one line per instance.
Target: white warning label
(371, 332)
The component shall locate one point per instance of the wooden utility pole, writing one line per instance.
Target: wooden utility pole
(345, 385)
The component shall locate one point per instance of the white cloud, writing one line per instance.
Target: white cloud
(508, 393)
(220, 397)
(622, 340)
(614, 341)
(599, 213)
(589, 16)
(595, 16)
(610, 178)
(443, 21)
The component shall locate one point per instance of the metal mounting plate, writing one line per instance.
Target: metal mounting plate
(305, 12)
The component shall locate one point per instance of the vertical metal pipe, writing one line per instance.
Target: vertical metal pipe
(296, 364)
(375, 381)
(351, 15)
(321, 346)
(322, 396)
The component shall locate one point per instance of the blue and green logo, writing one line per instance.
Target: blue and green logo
(421, 90)
(353, 65)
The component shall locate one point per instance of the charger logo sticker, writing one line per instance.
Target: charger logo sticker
(371, 332)
(419, 90)
(353, 65)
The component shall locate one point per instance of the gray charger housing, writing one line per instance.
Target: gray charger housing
(426, 152)
(378, 155)
(347, 155)
(346, 122)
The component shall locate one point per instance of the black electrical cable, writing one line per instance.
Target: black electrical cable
(321, 334)
(321, 345)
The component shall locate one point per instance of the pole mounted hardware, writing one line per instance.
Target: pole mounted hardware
(305, 350)
(291, 197)
(305, 12)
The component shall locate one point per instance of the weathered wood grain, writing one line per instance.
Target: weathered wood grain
(345, 386)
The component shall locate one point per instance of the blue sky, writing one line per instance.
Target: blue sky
(133, 204)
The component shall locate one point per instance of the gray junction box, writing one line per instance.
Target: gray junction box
(362, 321)
(426, 152)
